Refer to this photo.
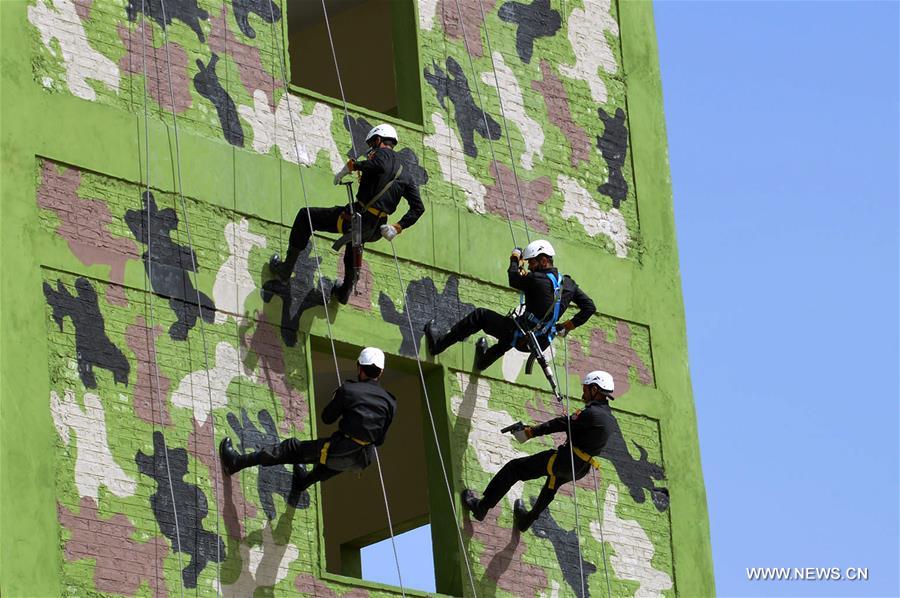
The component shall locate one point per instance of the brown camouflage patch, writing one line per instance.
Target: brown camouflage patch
(534, 193)
(311, 586)
(266, 344)
(83, 8)
(362, 294)
(472, 21)
(122, 564)
(247, 58)
(140, 53)
(142, 341)
(232, 504)
(616, 357)
(502, 557)
(83, 226)
(560, 115)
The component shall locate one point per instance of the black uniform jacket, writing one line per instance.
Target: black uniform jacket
(376, 173)
(365, 408)
(538, 291)
(590, 427)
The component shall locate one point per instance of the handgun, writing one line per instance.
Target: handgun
(513, 428)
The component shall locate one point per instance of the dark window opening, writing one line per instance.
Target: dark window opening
(376, 47)
(352, 504)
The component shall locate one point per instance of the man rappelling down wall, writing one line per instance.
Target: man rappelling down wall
(546, 294)
(587, 431)
(383, 182)
(366, 411)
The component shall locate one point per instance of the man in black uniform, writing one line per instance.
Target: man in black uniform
(590, 431)
(365, 410)
(539, 286)
(383, 182)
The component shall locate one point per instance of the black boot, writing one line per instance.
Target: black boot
(279, 268)
(341, 292)
(473, 505)
(233, 461)
(436, 342)
(481, 347)
(521, 516)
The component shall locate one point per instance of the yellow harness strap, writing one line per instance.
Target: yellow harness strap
(323, 456)
(378, 213)
(594, 461)
(551, 483)
(358, 441)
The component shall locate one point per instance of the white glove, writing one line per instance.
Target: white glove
(389, 231)
(521, 435)
(341, 174)
(517, 254)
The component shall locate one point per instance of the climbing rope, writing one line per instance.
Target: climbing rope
(281, 45)
(195, 270)
(574, 487)
(437, 444)
(571, 444)
(343, 98)
(151, 341)
(484, 116)
(602, 540)
(415, 344)
(512, 160)
(348, 276)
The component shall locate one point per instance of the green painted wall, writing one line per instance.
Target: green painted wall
(75, 499)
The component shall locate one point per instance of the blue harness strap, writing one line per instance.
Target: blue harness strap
(546, 326)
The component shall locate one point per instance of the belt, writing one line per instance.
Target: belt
(593, 461)
(378, 213)
(323, 454)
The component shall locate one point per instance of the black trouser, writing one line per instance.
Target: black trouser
(291, 451)
(481, 319)
(328, 220)
(530, 468)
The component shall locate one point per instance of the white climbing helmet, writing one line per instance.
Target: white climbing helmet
(372, 356)
(383, 130)
(539, 247)
(603, 380)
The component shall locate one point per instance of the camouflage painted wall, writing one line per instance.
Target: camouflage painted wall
(112, 239)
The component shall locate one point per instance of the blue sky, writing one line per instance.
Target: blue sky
(782, 120)
(783, 142)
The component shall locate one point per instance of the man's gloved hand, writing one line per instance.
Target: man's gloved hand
(349, 167)
(523, 435)
(564, 328)
(516, 254)
(389, 231)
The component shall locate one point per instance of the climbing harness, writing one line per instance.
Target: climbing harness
(356, 229)
(150, 323)
(531, 331)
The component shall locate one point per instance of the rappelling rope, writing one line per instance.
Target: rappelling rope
(147, 276)
(282, 46)
(343, 97)
(484, 116)
(594, 474)
(571, 444)
(433, 426)
(415, 344)
(195, 270)
(600, 525)
(512, 160)
(318, 264)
